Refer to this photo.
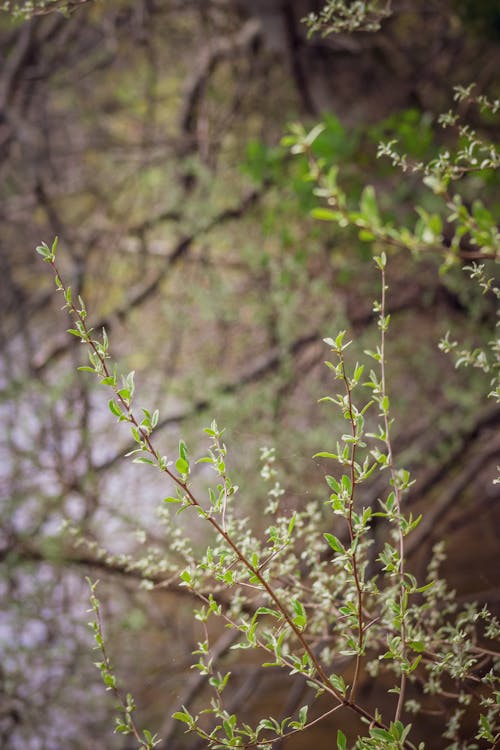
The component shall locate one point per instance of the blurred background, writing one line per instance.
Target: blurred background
(145, 134)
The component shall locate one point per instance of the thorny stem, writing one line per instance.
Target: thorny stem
(397, 493)
(192, 500)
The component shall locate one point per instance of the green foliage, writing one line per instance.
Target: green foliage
(25, 9)
(339, 16)
(472, 230)
(412, 129)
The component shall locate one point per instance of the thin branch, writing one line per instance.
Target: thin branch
(383, 322)
(352, 537)
(210, 58)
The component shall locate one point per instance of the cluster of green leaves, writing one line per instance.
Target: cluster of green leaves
(460, 226)
(471, 231)
(25, 9)
(338, 16)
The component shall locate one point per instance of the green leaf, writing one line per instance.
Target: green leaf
(43, 250)
(267, 611)
(340, 339)
(114, 408)
(182, 450)
(414, 664)
(358, 372)
(366, 236)
(314, 133)
(338, 683)
(182, 716)
(324, 214)
(266, 724)
(381, 734)
(368, 205)
(341, 740)
(48, 253)
(303, 714)
(143, 460)
(334, 543)
(427, 586)
(109, 680)
(182, 466)
(333, 483)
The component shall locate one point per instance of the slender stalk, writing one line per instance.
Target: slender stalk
(397, 493)
(355, 570)
(107, 670)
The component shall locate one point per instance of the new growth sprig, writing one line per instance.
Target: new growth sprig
(470, 228)
(124, 723)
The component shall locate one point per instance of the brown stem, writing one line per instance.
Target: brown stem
(355, 570)
(397, 495)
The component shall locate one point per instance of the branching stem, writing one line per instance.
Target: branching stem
(355, 569)
(101, 368)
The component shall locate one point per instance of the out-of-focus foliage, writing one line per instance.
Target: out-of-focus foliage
(339, 16)
(484, 17)
(26, 9)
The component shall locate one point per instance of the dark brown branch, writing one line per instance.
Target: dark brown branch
(211, 57)
(450, 495)
(14, 64)
(295, 47)
(489, 417)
